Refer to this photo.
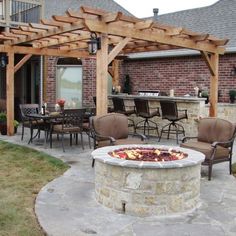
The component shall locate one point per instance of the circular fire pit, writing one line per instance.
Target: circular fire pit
(145, 187)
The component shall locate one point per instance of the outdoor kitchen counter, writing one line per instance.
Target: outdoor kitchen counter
(195, 107)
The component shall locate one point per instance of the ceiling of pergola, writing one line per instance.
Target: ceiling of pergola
(71, 32)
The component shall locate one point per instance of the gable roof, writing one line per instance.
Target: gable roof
(218, 19)
(60, 6)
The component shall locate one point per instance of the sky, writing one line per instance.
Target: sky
(144, 8)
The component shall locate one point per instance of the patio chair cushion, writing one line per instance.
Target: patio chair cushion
(60, 129)
(33, 122)
(112, 125)
(206, 148)
(211, 130)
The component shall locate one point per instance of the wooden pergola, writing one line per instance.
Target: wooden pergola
(68, 36)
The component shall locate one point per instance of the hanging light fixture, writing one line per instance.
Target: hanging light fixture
(3, 60)
(94, 44)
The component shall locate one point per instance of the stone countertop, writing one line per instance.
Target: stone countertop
(180, 99)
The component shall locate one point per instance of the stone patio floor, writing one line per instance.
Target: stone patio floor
(67, 207)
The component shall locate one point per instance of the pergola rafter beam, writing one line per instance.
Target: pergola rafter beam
(50, 32)
(63, 40)
(144, 25)
(101, 27)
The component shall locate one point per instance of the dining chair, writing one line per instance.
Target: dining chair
(71, 123)
(86, 123)
(27, 122)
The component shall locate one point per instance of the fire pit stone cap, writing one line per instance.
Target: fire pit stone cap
(194, 157)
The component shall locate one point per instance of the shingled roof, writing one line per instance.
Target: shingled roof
(218, 19)
(60, 6)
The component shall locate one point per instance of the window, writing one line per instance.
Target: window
(69, 82)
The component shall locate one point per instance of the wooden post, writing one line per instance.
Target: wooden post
(115, 70)
(102, 73)
(10, 93)
(214, 85)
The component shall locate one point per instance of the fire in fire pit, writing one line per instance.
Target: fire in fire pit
(148, 154)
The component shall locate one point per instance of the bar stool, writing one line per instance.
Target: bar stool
(143, 110)
(170, 112)
(119, 107)
(109, 109)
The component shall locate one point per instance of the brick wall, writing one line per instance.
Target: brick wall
(51, 80)
(89, 81)
(181, 74)
(88, 85)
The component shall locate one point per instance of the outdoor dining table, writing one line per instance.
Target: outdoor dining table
(48, 121)
(53, 118)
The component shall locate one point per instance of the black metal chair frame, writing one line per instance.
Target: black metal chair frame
(143, 110)
(87, 125)
(119, 107)
(171, 113)
(26, 109)
(70, 123)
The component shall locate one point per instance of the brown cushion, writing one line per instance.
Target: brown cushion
(206, 149)
(33, 123)
(215, 129)
(61, 129)
(121, 142)
(129, 112)
(112, 124)
(86, 126)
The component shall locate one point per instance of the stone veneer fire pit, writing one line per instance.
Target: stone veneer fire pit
(145, 188)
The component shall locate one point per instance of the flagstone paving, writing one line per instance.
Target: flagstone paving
(67, 206)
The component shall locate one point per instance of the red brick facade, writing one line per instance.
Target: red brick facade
(179, 73)
(89, 83)
(50, 85)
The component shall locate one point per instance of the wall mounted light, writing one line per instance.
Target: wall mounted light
(94, 44)
(3, 60)
(233, 71)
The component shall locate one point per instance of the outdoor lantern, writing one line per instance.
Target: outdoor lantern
(94, 44)
(3, 61)
(233, 71)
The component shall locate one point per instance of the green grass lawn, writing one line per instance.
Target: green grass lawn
(23, 172)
